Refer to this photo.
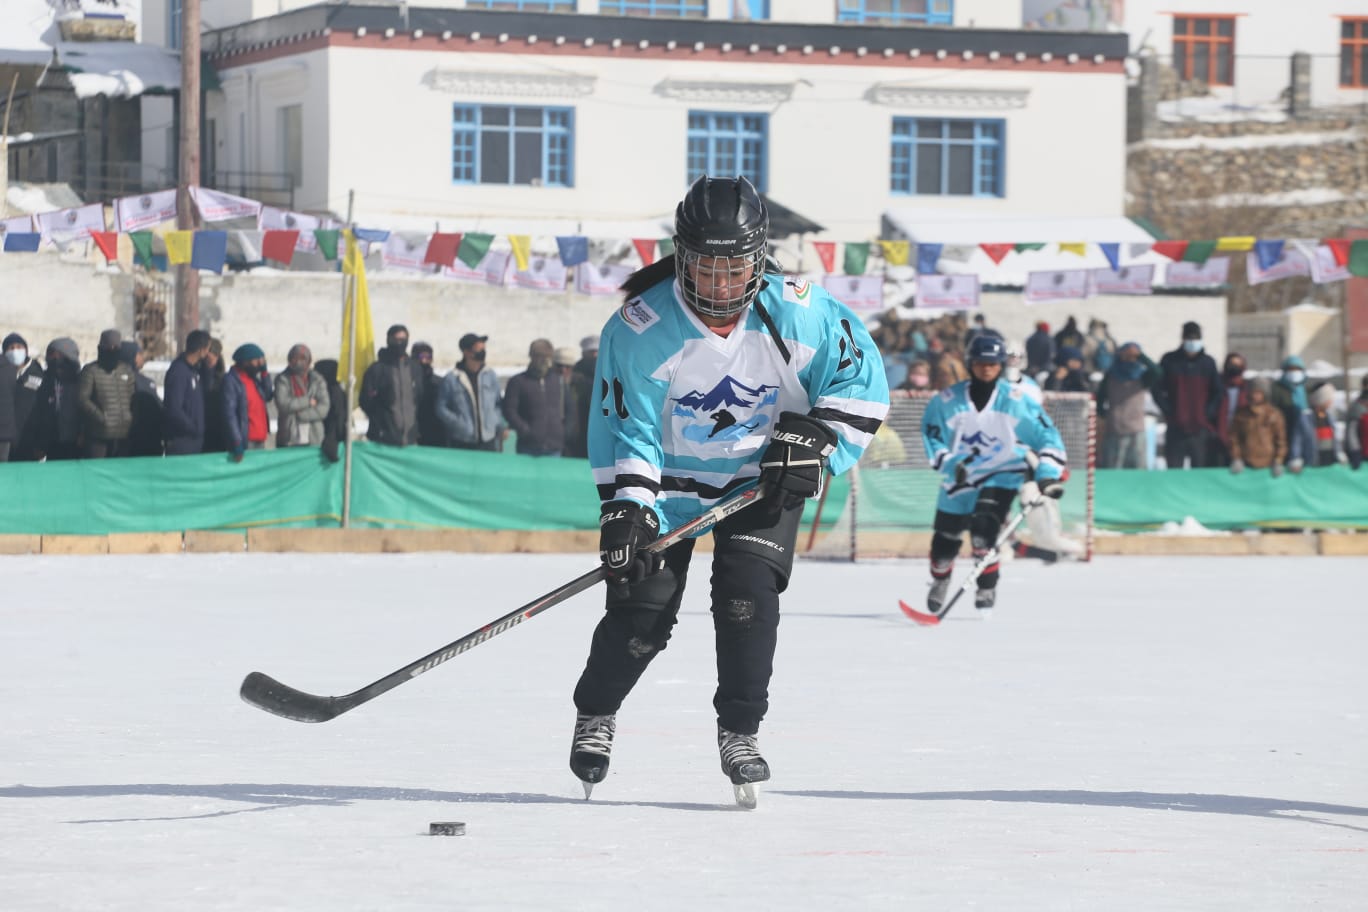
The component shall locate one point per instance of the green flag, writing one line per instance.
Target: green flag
(1358, 259)
(327, 242)
(856, 258)
(142, 246)
(1020, 247)
(473, 248)
(666, 247)
(1199, 251)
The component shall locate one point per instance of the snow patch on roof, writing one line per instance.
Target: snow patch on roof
(1266, 141)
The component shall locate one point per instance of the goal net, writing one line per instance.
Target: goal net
(885, 506)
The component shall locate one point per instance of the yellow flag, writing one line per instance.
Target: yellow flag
(1080, 249)
(522, 248)
(895, 252)
(1235, 244)
(358, 304)
(179, 246)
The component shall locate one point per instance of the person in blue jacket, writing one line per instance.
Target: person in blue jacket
(977, 434)
(711, 377)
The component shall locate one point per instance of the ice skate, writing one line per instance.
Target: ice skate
(590, 749)
(936, 597)
(984, 599)
(743, 765)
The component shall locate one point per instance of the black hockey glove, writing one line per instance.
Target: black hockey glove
(1052, 487)
(793, 464)
(625, 529)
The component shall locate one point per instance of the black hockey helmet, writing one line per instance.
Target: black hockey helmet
(725, 221)
(988, 347)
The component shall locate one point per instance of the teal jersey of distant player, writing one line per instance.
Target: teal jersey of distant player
(683, 414)
(996, 438)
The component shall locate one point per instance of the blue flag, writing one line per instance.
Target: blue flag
(1268, 252)
(373, 235)
(927, 257)
(573, 250)
(1113, 254)
(22, 242)
(209, 251)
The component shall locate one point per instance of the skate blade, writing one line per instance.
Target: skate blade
(747, 795)
(588, 789)
(985, 614)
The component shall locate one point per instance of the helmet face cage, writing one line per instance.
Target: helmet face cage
(721, 228)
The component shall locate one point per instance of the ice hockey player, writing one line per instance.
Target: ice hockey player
(714, 375)
(977, 434)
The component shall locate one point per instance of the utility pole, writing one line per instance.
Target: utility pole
(187, 279)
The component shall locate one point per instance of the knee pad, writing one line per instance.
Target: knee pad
(944, 547)
(983, 531)
(745, 591)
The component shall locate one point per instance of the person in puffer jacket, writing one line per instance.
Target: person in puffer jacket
(1258, 433)
(105, 398)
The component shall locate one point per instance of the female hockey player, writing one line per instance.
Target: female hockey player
(976, 434)
(712, 376)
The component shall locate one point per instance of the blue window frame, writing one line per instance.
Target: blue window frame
(538, 6)
(679, 9)
(173, 24)
(897, 12)
(755, 10)
(725, 145)
(947, 157)
(512, 144)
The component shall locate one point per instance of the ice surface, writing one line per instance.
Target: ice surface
(1134, 733)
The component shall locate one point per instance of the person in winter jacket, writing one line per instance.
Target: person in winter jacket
(1099, 348)
(337, 424)
(534, 404)
(1040, 351)
(1325, 452)
(145, 435)
(9, 428)
(1289, 395)
(106, 400)
(1068, 375)
(1258, 435)
(469, 403)
(390, 390)
(183, 411)
(1070, 335)
(430, 432)
(1189, 395)
(1356, 427)
(27, 381)
(1234, 393)
(212, 371)
(246, 390)
(1121, 407)
(57, 410)
(301, 399)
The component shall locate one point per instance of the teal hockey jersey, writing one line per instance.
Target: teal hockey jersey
(683, 414)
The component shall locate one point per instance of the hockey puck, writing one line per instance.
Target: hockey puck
(447, 828)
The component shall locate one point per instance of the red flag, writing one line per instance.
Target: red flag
(442, 249)
(997, 251)
(1340, 248)
(108, 242)
(1174, 250)
(645, 248)
(279, 245)
(826, 252)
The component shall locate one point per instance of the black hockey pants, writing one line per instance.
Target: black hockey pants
(984, 525)
(752, 560)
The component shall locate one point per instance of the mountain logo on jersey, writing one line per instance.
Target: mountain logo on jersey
(729, 409)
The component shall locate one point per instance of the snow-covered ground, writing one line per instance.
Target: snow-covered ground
(1130, 734)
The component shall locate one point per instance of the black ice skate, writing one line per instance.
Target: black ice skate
(742, 763)
(590, 749)
(984, 600)
(936, 597)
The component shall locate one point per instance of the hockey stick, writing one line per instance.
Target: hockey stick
(265, 692)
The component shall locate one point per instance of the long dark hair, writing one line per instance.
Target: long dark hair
(647, 276)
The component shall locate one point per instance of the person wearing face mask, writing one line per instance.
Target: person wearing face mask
(106, 400)
(918, 376)
(246, 390)
(1015, 374)
(27, 381)
(430, 431)
(1289, 397)
(185, 399)
(469, 403)
(213, 369)
(1234, 393)
(302, 402)
(390, 390)
(145, 437)
(534, 404)
(57, 411)
(1189, 396)
(1121, 407)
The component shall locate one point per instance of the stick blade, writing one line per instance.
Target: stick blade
(921, 617)
(265, 692)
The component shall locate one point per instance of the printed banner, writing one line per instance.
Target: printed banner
(1128, 280)
(20, 224)
(1325, 268)
(957, 292)
(273, 219)
(214, 206)
(72, 224)
(1060, 285)
(133, 213)
(1291, 263)
(1213, 272)
(861, 293)
(490, 270)
(605, 279)
(543, 273)
(406, 251)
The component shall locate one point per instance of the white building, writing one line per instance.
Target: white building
(453, 113)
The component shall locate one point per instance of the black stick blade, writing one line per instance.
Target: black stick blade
(265, 692)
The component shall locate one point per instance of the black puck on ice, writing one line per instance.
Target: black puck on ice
(447, 828)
